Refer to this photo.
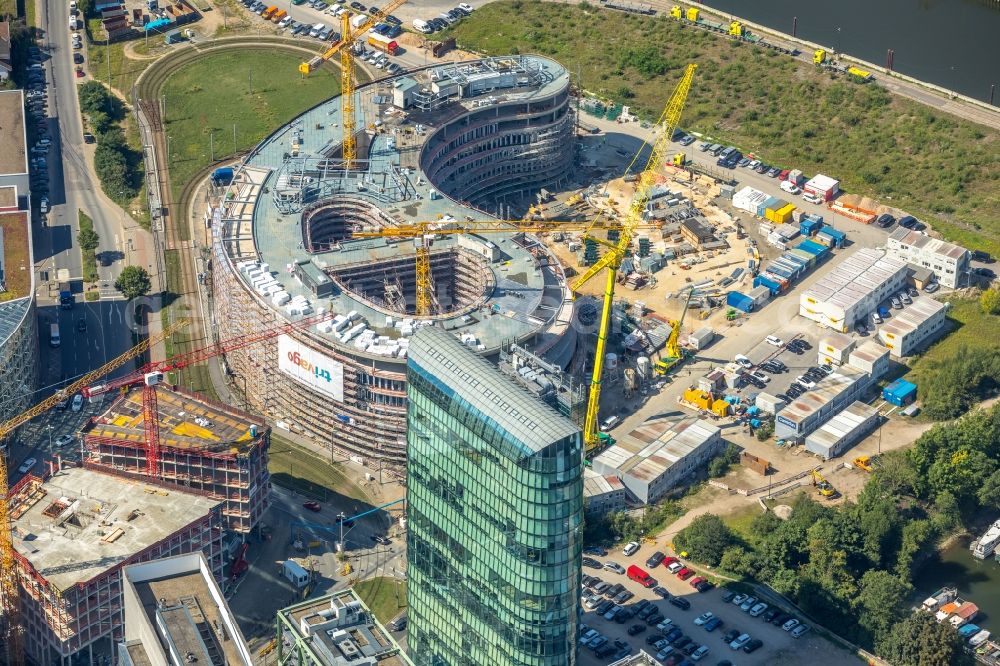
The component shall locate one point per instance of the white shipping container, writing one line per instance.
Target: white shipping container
(280, 298)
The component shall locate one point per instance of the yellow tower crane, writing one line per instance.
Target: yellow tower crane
(348, 34)
(8, 567)
(422, 230)
(612, 260)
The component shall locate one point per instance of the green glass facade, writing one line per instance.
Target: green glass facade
(495, 511)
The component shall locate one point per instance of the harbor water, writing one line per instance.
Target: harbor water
(951, 43)
(977, 581)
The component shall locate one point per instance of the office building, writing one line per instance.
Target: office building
(916, 326)
(843, 431)
(853, 290)
(18, 318)
(810, 410)
(334, 630)
(948, 262)
(494, 513)
(176, 615)
(74, 529)
(657, 456)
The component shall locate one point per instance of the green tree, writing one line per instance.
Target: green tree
(133, 282)
(989, 301)
(880, 601)
(720, 464)
(738, 560)
(88, 240)
(706, 539)
(989, 492)
(916, 537)
(918, 640)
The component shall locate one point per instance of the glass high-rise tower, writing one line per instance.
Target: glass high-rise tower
(495, 511)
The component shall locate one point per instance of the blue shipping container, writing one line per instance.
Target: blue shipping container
(838, 237)
(223, 175)
(783, 271)
(764, 206)
(739, 301)
(900, 392)
(764, 281)
(814, 248)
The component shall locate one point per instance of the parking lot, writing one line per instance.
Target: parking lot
(778, 645)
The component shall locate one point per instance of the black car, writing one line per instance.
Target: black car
(662, 591)
(604, 607)
(655, 559)
(730, 635)
(770, 615)
(753, 645)
(605, 650)
(780, 619)
(636, 629)
(985, 272)
(690, 648)
(623, 596)
(654, 638)
(591, 562)
(778, 364)
(907, 221)
(643, 613)
(800, 343)
(599, 551)
(782, 396)
(704, 586)
(624, 615)
(654, 619)
(979, 255)
(673, 635)
(681, 642)
(680, 602)
(885, 220)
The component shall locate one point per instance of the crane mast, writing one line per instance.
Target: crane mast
(612, 259)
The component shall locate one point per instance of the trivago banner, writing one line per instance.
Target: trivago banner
(311, 368)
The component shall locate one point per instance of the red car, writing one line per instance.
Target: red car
(312, 506)
(694, 581)
(784, 174)
(685, 573)
(668, 560)
(79, 73)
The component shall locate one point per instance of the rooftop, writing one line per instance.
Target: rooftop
(854, 278)
(339, 630)
(15, 257)
(655, 446)
(266, 228)
(925, 243)
(868, 351)
(595, 484)
(479, 383)
(912, 317)
(14, 156)
(186, 422)
(826, 390)
(80, 523)
(642, 658)
(180, 599)
(843, 423)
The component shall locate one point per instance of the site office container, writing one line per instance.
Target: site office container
(810, 225)
(784, 214)
(640, 576)
(807, 257)
(739, 301)
(763, 281)
(767, 203)
(814, 248)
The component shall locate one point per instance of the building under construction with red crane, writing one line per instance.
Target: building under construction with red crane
(204, 447)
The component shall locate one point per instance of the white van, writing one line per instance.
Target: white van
(316, 29)
(422, 25)
(609, 423)
(73, 25)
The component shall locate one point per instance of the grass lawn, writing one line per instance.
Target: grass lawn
(739, 521)
(16, 256)
(381, 594)
(123, 71)
(89, 257)
(969, 328)
(903, 153)
(197, 109)
(296, 468)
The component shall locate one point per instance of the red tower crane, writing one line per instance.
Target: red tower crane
(151, 374)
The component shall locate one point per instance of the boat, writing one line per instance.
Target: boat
(969, 630)
(947, 609)
(964, 614)
(936, 600)
(985, 545)
(979, 638)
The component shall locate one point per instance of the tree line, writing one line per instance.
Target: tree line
(851, 566)
(118, 167)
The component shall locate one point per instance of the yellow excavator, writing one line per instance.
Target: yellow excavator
(824, 487)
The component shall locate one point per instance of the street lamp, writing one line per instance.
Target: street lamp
(48, 426)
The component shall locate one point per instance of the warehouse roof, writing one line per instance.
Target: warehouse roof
(855, 277)
(913, 316)
(79, 523)
(595, 484)
(841, 426)
(476, 381)
(827, 389)
(655, 446)
(186, 422)
(925, 243)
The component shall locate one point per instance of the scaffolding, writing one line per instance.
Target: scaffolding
(300, 181)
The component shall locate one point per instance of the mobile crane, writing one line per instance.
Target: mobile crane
(674, 353)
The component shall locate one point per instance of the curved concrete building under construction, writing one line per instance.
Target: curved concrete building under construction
(445, 144)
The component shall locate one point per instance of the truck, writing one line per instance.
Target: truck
(383, 43)
(54, 340)
(358, 20)
(278, 15)
(269, 12)
(66, 300)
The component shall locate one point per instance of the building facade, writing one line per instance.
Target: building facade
(913, 328)
(948, 262)
(495, 514)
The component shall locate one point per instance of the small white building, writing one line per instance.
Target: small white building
(853, 290)
(871, 357)
(843, 431)
(804, 415)
(834, 348)
(602, 494)
(915, 326)
(949, 262)
(821, 186)
(657, 456)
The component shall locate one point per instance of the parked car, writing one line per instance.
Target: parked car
(699, 653)
(615, 567)
(680, 602)
(758, 609)
(907, 221)
(753, 645)
(799, 630)
(774, 340)
(805, 381)
(591, 563)
(64, 440)
(655, 559)
(932, 287)
(703, 618)
(896, 303)
(739, 599)
(885, 220)
(790, 624)
(662, 591)
(630, 548)
(27, 465)
(748, 603)
(713, 624)
(730, 635)
(773, 172)
(596, 550)
(740, 641)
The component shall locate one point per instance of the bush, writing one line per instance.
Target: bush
(951, 388)
(705, 539)
(989, 301)
(720, 464)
